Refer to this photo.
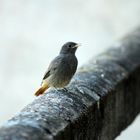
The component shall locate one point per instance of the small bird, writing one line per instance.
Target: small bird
(61, 69)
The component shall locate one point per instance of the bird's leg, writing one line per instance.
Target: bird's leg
(54, 88)
(60, 89)
(65, 89)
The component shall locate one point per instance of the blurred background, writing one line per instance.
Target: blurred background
(33, 31)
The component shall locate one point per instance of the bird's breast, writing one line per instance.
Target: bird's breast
(64, 72)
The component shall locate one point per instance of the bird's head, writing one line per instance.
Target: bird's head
(69, 48)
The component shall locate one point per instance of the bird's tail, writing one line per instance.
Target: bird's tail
(42, 89)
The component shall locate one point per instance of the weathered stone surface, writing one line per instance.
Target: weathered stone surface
(102, 100)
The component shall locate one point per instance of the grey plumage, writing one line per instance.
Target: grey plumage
(61, 69)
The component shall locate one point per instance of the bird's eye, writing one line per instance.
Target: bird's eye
(69, 46)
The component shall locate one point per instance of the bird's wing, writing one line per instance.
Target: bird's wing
(47, 74)
(53, 66)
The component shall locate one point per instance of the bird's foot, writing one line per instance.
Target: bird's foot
(65, 89)
(61, 89)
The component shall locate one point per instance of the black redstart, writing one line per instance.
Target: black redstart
(61, 69)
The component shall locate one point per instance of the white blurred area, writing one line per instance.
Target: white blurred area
(33, 31)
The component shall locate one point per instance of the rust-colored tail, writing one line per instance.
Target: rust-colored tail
(41, 90)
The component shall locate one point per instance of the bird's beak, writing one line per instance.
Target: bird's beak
(77, 45)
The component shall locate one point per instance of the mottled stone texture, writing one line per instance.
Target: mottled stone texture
(102, 99)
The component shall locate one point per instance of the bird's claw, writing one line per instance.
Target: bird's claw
(65, 89)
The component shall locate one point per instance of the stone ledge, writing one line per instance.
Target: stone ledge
(102, 99)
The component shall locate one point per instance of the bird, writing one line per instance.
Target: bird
(61, 69)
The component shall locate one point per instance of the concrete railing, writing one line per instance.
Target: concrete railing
(102, 100)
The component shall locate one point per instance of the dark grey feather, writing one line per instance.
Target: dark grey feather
(63, 67)
(53, 66)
